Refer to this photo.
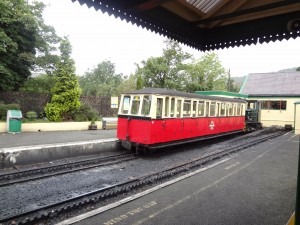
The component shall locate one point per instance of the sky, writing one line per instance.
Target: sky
(96, 37)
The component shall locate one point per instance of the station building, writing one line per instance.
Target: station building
(278, 95)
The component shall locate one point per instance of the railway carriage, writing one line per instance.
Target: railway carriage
(155, 117)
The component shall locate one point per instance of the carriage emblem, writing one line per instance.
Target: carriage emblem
(211, 125)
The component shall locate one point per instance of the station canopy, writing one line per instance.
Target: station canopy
(209, 24)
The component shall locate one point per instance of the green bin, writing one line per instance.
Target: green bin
(14, 121)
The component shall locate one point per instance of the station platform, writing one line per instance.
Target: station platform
(255, 186)
(36, 147)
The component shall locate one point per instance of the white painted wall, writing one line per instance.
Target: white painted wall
(63, 126)
(278, 117)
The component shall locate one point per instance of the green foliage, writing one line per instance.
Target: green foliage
(173, 70)
(231, 86)
(24, 40)
(101, 81)
(166, 71)
(5, 107)
(66, 91)
(128, 84)
(85, 113)
(205, 74)
(298, 69)
(31, 115)
(139, 82)
(54, 112)
(40, 84)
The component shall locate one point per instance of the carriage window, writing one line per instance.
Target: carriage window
(234, 110)
(187, 108)
(201, 108)
(223, 109)
(125, 105)
(243, 110)
(217, 109)
(167, 107)
(172, 107)
(212, 109)
(159, 108)
(194, 109)
(178, 111)
(230, 110)
(238, 111)
(135, 105)
(206, 108)
(146, 105)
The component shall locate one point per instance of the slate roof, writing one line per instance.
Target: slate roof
(276, 84)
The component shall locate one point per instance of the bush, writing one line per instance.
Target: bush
(5, 107)
(85, 113)
(53, 112)
(31, 115)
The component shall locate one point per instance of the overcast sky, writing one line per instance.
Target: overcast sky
(96, 37)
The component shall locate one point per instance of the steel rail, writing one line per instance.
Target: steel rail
(44, 172)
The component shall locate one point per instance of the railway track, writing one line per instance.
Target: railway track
(44, 172)
(103, 194)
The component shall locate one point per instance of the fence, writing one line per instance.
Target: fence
(37, 101)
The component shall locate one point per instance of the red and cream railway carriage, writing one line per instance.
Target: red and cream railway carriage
(155, 117)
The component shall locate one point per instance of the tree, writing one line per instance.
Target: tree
(66, 91)
(207, 73)
(166, 71)
(128, 84)
(40, 84)
(101, 81)
(231, 86)
(26, 42)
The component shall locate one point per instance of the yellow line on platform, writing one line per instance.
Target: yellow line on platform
(292, 220)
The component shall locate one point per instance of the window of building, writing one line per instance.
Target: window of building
(273, 105)
(146, 105)
(201, 109)
(212, 109)
(125, 104)
(135, 105)
(187, 108)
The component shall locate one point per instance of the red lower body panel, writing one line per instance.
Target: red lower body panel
(149, 132)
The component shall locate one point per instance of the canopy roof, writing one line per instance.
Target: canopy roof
(209, 24)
